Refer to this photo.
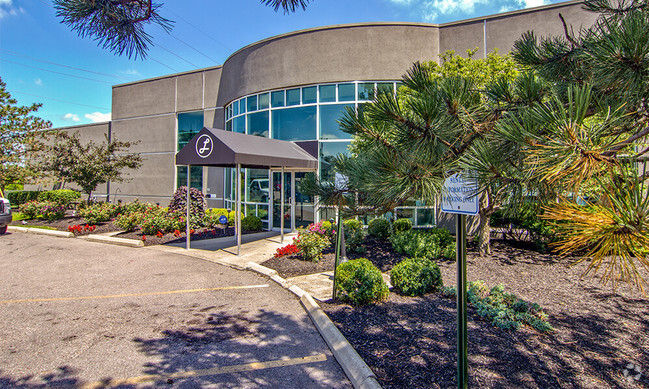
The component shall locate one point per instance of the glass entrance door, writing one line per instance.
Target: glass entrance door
(278, 191)
(304, 205)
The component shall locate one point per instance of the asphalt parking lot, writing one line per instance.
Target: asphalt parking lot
(83, 314)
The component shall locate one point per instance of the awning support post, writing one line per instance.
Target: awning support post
(238, 217)
(187, 234)
(281, 209)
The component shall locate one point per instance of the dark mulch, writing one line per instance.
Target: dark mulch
(149, 240)
(68, 221)
(411, 342)
(377, 251)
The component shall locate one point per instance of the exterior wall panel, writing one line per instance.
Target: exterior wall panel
(212, 85)
(151, 97)
(190, 92)
(155, 134)
(155, 179)
(340, 53)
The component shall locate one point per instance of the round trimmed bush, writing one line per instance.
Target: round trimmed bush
(251, 223)
(353, 235)
(360, 282)
(402, 225)
(416, 276)
(379, 228)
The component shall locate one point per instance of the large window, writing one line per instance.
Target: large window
(294, 123)
(301, 113)
(329, 116)
(189, 124)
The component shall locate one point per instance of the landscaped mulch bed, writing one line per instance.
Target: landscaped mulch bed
(149, 240)
(411, 342)
(378, 251)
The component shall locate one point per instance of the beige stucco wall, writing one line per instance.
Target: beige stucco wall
(155, 134)
(377, 51)
(503, 30)
(154, 180)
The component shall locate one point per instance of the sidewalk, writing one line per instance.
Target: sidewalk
(256, 248)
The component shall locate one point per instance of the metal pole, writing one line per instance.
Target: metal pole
(187, 234)
(339, 234)
(238, 217)
(460, 236)
(281, 208)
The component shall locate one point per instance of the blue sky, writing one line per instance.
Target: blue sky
(42, 61)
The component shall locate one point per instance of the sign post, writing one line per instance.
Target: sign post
(460, 198)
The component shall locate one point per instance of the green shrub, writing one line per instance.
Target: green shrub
(20, 197)
(311, 244)
(251, 223)
(179, 203)
(155, 223)
(430, 244)
(128, 221)
(31, 209)
(212, 216)
(60, 196)
(232, 218)
(379, 228)
(359, 282)
(353, 235)
(136, 207)
(401, 225)
(99, 213)
(50, 210)
(504, 310)
(416, 276)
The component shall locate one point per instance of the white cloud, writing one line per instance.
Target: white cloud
(532, 3)
(38, 82)
(131, 72)
(97, 117)
(70, 117)
(7, 9)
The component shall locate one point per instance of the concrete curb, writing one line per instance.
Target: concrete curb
(355, 368)
(116, 241)
(261, 269)
(41, 231)
(360, 375)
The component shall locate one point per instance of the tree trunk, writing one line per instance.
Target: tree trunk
(484, 230)
(484, 233)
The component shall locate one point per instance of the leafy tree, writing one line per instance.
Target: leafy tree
(87, 165)
(594, 129)
(406, 145)
(118, 25)
(17, 136)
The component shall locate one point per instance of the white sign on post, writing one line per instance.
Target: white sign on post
(459, 195)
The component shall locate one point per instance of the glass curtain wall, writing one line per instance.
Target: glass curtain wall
(299, 114)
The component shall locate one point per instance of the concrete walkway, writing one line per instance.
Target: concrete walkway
(256, 248)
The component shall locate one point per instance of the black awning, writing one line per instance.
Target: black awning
(212, 147)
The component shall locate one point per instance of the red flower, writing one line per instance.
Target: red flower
(286, 250)
(143, 237)
(159, 234)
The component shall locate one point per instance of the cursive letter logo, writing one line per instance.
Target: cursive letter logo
(204, 146)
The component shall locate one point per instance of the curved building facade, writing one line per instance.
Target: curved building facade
(292, 87)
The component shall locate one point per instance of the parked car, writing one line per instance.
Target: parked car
(259, 189)
(5, 213)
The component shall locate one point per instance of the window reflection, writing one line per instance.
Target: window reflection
(294, 123)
